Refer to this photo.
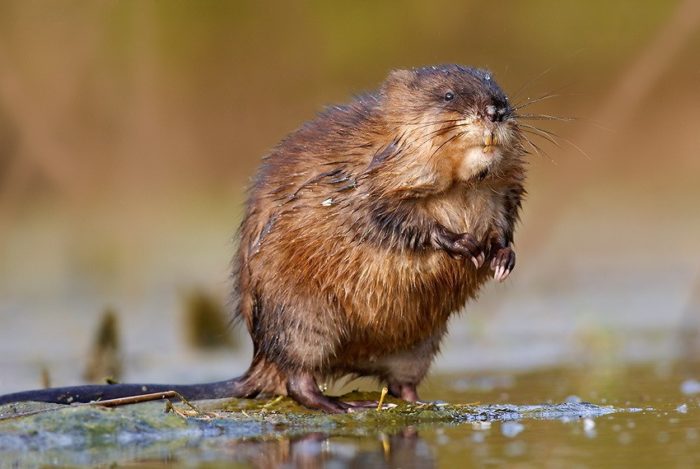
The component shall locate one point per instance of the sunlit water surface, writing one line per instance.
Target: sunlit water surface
(654, 421)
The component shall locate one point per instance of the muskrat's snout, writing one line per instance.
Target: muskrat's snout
(491, 129)
(483, 131)
(494, 126)
(495, 113)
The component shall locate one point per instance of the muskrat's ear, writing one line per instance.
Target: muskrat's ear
(398, 79)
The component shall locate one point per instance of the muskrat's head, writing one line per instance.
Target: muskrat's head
(455, 120)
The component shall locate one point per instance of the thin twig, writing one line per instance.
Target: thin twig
(385, 390)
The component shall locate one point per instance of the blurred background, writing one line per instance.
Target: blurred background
(129, 131)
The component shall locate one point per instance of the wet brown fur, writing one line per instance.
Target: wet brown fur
(323, 286)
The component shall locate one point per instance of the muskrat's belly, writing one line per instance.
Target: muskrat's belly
(394, 302)
(369, 300)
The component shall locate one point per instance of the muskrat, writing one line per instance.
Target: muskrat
(364, 231)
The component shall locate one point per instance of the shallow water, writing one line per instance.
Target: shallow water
(640, 416)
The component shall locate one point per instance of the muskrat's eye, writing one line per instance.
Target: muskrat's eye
(449, 96)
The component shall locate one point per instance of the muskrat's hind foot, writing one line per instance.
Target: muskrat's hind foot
(302, 388)
(405, 391)
(502, 263)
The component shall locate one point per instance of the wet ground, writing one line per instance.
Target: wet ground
(640, 416)
(596, 327)
(601, 324)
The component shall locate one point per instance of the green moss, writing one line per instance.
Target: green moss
(91, 433)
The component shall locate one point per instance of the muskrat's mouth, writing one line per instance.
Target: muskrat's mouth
(488, 150)
(490, 143)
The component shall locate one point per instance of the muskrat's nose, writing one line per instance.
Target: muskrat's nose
(491, 113)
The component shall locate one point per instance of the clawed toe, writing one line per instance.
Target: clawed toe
(467, 246)
(503, 264)
(479, 261)
(459, 246)
(303, 389)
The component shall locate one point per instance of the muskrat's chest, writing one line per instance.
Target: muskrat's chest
(462, 210)
(396, 296)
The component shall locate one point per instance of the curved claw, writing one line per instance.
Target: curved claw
(503, 263)
(468, 246)
(480, 259)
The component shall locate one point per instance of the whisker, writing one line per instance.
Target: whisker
(578, 148)
(545, 117)
(530, 102)
(540, 152)
(550, 117)
(530, 82)
(418, 126)
(532, 145)
(423, 139)
(539, 129)
(594, 123)
(542, 133)
(444, 143)
(551, 136)
(546, 137)
(445, 121)
(557, 93)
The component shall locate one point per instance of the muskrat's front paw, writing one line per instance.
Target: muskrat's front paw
(502, 263)
(467, 246)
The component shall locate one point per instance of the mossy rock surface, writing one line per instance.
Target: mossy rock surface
(35, 426)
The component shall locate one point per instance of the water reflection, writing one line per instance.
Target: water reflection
(404, 449)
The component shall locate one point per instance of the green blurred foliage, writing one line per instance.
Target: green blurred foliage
(130, 93)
